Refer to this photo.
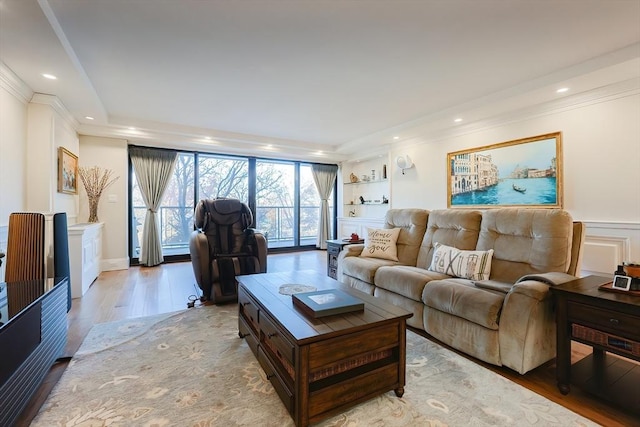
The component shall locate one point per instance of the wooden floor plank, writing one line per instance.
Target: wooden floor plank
(145, 291)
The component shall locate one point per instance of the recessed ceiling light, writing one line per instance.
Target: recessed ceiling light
(562, 90)
(49, 76)
(132, 128)
(458, 120)
(89, 118)
(396, 137)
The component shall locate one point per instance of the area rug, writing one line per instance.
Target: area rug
(191, 369)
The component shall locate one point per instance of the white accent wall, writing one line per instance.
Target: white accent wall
(601, 154)
(601, 158)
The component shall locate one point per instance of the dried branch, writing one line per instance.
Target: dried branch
(96, 180)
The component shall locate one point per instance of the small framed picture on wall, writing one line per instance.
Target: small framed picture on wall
(67, 171)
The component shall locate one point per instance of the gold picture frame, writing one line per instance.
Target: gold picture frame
(67, 171)
(521, 173)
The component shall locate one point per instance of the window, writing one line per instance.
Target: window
(282, 195)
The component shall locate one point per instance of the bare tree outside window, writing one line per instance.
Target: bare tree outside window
(225, 176)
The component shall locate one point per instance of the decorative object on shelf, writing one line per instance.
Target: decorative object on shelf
(95, 180)
(373, 174)
(352, 213)
(384, 171)
(362, 200)
(354, 237)
(353, 177)
(404, 162)
(365, 178)
(67, 171)
(384, 200)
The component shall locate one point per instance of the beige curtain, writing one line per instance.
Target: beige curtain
(153, 169)
(325, 178)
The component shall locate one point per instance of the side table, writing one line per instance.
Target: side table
(333, 250)
(610, 323)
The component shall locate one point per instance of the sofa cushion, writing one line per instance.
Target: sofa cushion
(363, 268)
(381, 243)
(412, 224)
(475, 265)
(526, 241)
(452, 227)
(461, 298)
(406, 280)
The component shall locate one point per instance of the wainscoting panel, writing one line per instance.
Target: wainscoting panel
(609, 244)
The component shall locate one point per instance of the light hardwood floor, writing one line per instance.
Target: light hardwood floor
(143, 291)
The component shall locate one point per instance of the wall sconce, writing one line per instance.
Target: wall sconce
(404, 162)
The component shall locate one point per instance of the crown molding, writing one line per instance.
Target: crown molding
(10, 82)
(186, 138)
(57, 106)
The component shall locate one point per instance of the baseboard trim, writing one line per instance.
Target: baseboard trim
(114, 264)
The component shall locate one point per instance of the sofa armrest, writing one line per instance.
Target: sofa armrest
(527, 324)
(347, 251)
(352, 250)
(552, 278)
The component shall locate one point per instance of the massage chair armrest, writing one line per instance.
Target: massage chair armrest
(199, 250)
(261, 250)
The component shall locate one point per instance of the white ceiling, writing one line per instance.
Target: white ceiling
(305, 75)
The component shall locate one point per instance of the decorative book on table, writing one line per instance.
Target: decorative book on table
(326, 303)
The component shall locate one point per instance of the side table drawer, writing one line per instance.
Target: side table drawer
(333, 249)
(609, 320)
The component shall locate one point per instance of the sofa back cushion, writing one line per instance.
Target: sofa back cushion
(412, 224)
(452, 227)
(526, 241)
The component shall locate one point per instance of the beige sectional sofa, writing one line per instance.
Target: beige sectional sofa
(506, 319)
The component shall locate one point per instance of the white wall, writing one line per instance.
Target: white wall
(109, 153)
(13, 128)
(601, 158)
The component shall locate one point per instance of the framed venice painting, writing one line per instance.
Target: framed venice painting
(522, 173)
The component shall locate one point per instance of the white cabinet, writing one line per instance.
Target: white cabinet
(85, 254)
(346, 226)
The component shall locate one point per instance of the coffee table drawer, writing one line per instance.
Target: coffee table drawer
(248, 310)
(353, 346)
(278, 384)
(274, 339)
(353, 389)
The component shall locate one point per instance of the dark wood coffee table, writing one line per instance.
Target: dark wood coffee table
(321, 367)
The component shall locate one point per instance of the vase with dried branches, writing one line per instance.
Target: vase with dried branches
(95, 180)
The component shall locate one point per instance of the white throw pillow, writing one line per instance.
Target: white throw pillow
(474, 265)
(381, 243)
